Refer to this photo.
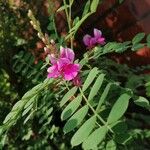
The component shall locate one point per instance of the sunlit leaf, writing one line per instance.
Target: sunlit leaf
(71, 107)
(138, 38)
(111, 145)
(68, 95)
(76, 119)
(143, 102)
(103, 96)
(83, 131)
(90, 78)
(94, 5)
(118, 108)
(95, 138)
(96, 86)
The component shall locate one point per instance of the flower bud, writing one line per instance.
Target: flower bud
(31, 22)
(52, 42)
(29, 13)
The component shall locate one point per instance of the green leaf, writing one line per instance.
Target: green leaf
(32, 92)
(75, 21)
(103, 96)
(137, 46)
(28, 117)
(111, 46)
(30, 102)
(148, 41)
(123, 47)
(19, 67)
(96, 87)
(10, 116)
(111, 145)
(83, 61)
(18, 105)
(90, 78)
(63, 8)
(76, 119)
(118, 108)
(86, 8)
(95, 138)
(68, 95)
(94, 5)
(122, 138)
(138, 38)
(142, 101)
(71, 108)
(119, 127)
(76, 27)
(27, 110)
(83, 132)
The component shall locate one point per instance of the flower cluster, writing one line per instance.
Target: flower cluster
(63, 66)
(90, 41)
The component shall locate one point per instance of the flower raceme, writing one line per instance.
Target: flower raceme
(90, 41)
(63, 66)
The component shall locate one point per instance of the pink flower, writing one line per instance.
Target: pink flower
(63, 66)
(90, 41)
(98, 36)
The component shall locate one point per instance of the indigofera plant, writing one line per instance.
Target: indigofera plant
(93, 108)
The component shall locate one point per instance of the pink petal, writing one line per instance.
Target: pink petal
(62, 62)
(97, 33)
(87, 39)
(101, 40)
(67, 53)
(52, 58)
(53, 72)
(92, 42)
(70, 71)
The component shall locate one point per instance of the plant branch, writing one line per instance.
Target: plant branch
(101, 119)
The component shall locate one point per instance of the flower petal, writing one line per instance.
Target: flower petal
(101, 40)
(87, 39)
(53, 72)
(97, 33)
(62, 62)
(67, 53)
(92, 42)
(70, 71)
(52, 58)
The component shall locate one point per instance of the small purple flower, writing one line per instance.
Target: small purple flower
(98, 36)
(63, 66)
(90, 41)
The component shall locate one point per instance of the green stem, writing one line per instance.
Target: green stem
(68, 15)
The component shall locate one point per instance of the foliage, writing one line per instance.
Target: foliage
(56, 114)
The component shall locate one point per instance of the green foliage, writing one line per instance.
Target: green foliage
(94, 5)
(24, 65)
(89, 126)
(90, 8)
(118, 109)
(121, 47)
(23, 106)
